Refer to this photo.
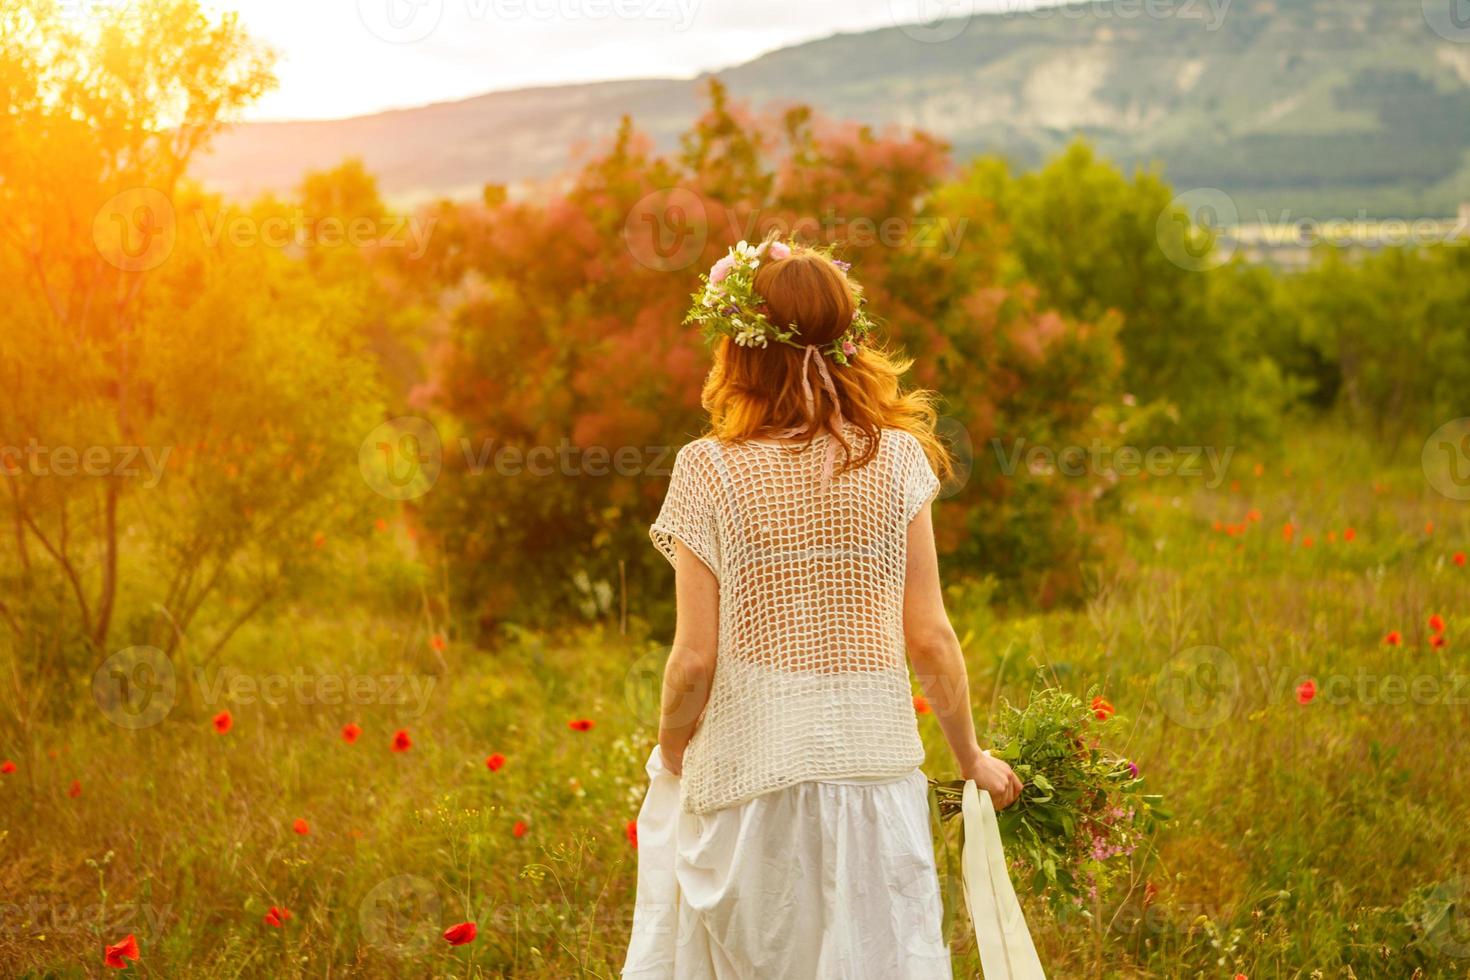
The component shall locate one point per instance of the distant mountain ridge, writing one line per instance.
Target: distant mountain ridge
(1294, 108)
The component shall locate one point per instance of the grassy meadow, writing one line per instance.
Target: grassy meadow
(328, 618)
(1319, 839)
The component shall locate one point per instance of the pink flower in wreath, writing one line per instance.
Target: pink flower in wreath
(849, 348)
(722, 269)
(779, 250)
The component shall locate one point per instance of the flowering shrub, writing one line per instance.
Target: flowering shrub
(1083, 811)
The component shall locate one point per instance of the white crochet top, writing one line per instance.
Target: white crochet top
(810, 679)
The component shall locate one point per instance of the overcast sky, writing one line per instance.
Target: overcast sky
(349, 57)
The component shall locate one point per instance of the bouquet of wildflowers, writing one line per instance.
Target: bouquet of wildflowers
(1083, 811)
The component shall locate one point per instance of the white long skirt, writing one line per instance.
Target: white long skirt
(818, 881)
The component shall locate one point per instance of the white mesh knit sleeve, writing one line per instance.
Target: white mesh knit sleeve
(688, 513)
(919, 482)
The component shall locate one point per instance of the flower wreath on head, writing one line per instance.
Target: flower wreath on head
(729, 306)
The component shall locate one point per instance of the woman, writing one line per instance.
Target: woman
(786, 831)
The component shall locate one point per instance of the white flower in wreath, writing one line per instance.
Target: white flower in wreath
(748, 334)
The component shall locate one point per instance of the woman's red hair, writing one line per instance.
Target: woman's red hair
(753, 392)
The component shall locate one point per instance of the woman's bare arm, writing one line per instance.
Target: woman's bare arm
(691, 667)
(935, 653)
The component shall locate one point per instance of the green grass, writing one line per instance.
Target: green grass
(1306, 838)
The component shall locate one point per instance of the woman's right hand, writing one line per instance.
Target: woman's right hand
(996, 778)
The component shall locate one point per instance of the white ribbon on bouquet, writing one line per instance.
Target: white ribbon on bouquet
(1006, 949)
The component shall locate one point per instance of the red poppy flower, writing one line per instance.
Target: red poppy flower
(223, 722)
(1428, 527)
(438, 642)
(75, 789)
(7, 767)
(1217, 526)
(118, 954)
(1241, 976)
(1437, 641)
(632, 833)
(380, 525)
(496, 762)
(1253, 515)
(1436, 623)
(921, 704)
(580, 724)
(276, 917)
(1459, 558)
(301, 826)
(1307, 541)
(520, 828)
(1393, 638)
(350, 732)
(401, 741)
(318, 539)
(1306, 691)
(1350, 534)
(461, 934)
(1287, 531)
(1102, 708)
